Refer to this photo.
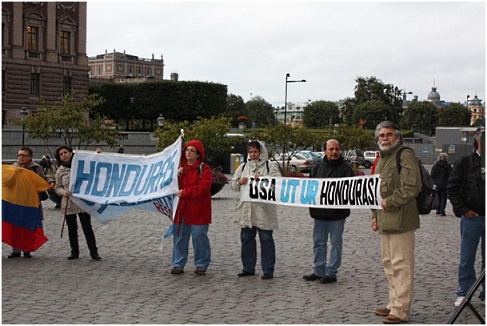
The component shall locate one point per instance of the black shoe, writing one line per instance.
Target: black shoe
(177, 270)
(267, 276)
(14, 255)
(73, 256)
(244, 273)
(437, 213)
(328, 279)
(312, 277)
(27, 255)
(95, 257)
(442, 214)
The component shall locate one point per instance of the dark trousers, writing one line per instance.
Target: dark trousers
(249, 250)
(85, 220)
(442, 198)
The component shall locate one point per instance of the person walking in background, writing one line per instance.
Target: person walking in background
(64, 157)
(24, 159)
(466, 191)
(193, 215)
(121, 149)
(329, 222)
(256, 217)
(397, 220)
(440, 172)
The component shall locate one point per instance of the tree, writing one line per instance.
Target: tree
(421, 117)
(372, 88)
(235, 108)
(69, 121)
(318, 114)
(372, 112)
(454, 115)
(211, 131)
(260, 112)
(282, 137)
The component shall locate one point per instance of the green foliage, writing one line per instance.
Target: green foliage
(211, 131)
(318, 114)
(421, 117)
(369, 89)
(235, 108)
(260, 111)
(373, 112)
(175, 100)
(69, 120)
(454, 115)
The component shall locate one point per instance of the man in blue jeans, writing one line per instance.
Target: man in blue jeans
(328, 222)
(466, 191)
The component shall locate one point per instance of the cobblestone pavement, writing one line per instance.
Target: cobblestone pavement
(133, 284)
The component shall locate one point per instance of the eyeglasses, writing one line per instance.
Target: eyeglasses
(23, 155)
(389, 134)
(190, 150)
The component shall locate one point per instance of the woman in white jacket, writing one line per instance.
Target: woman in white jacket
(256, 217)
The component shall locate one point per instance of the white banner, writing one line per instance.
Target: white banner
(108, 185)
(354, 192)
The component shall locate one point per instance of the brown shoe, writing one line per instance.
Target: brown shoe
(382, 311)
(391, 319)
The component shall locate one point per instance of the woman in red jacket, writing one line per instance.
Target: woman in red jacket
(193, 215)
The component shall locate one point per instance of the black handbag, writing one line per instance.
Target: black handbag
(43, 196)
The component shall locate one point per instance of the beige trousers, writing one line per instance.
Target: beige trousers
(398, 260)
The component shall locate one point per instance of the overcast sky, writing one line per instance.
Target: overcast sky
(251, 45)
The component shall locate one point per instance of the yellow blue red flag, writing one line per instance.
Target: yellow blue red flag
(21, 210)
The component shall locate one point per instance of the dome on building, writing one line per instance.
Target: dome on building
(475, 102)
(434, 95)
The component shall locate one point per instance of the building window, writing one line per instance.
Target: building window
(139, 71)
(67, 85)
(32, 38)
(147, 72)
(64, 40)
(131, 71)
(34, 84)
(4, 82)
(100, 70)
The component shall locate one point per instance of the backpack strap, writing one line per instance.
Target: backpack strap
(398, 157)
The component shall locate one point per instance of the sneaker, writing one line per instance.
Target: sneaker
(200, 271)
(328, 279)
(312, 277)
(459, 301)
(177, 270)
(382, 311)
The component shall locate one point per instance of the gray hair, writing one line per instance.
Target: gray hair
(388, 124)
(442, 156)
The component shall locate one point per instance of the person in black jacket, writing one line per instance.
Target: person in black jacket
(328, 222)
(440, 174)
(466, 191)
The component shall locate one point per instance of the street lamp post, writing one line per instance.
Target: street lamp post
(160, 121)
(23, 113)
(285, 94)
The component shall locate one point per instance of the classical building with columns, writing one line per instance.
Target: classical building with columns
(43, 55)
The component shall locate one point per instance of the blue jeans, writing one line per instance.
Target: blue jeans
(472, 231)
(321, 230)
(201, 245)
(249, 250)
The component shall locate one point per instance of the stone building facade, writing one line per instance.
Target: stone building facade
(43, 55)
(122, 67)
(476, 108)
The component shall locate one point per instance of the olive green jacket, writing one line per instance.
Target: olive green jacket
(399, 191)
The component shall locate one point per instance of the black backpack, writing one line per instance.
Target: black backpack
(426, 200)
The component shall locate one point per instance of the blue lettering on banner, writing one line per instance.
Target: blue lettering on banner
(104, 179)
(288, 191)
(310, 189)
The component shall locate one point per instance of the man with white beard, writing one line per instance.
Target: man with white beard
(397, 220)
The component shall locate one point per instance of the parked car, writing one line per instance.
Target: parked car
(370, 156)
(312, 155)
(297, 162)
(356, 158)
